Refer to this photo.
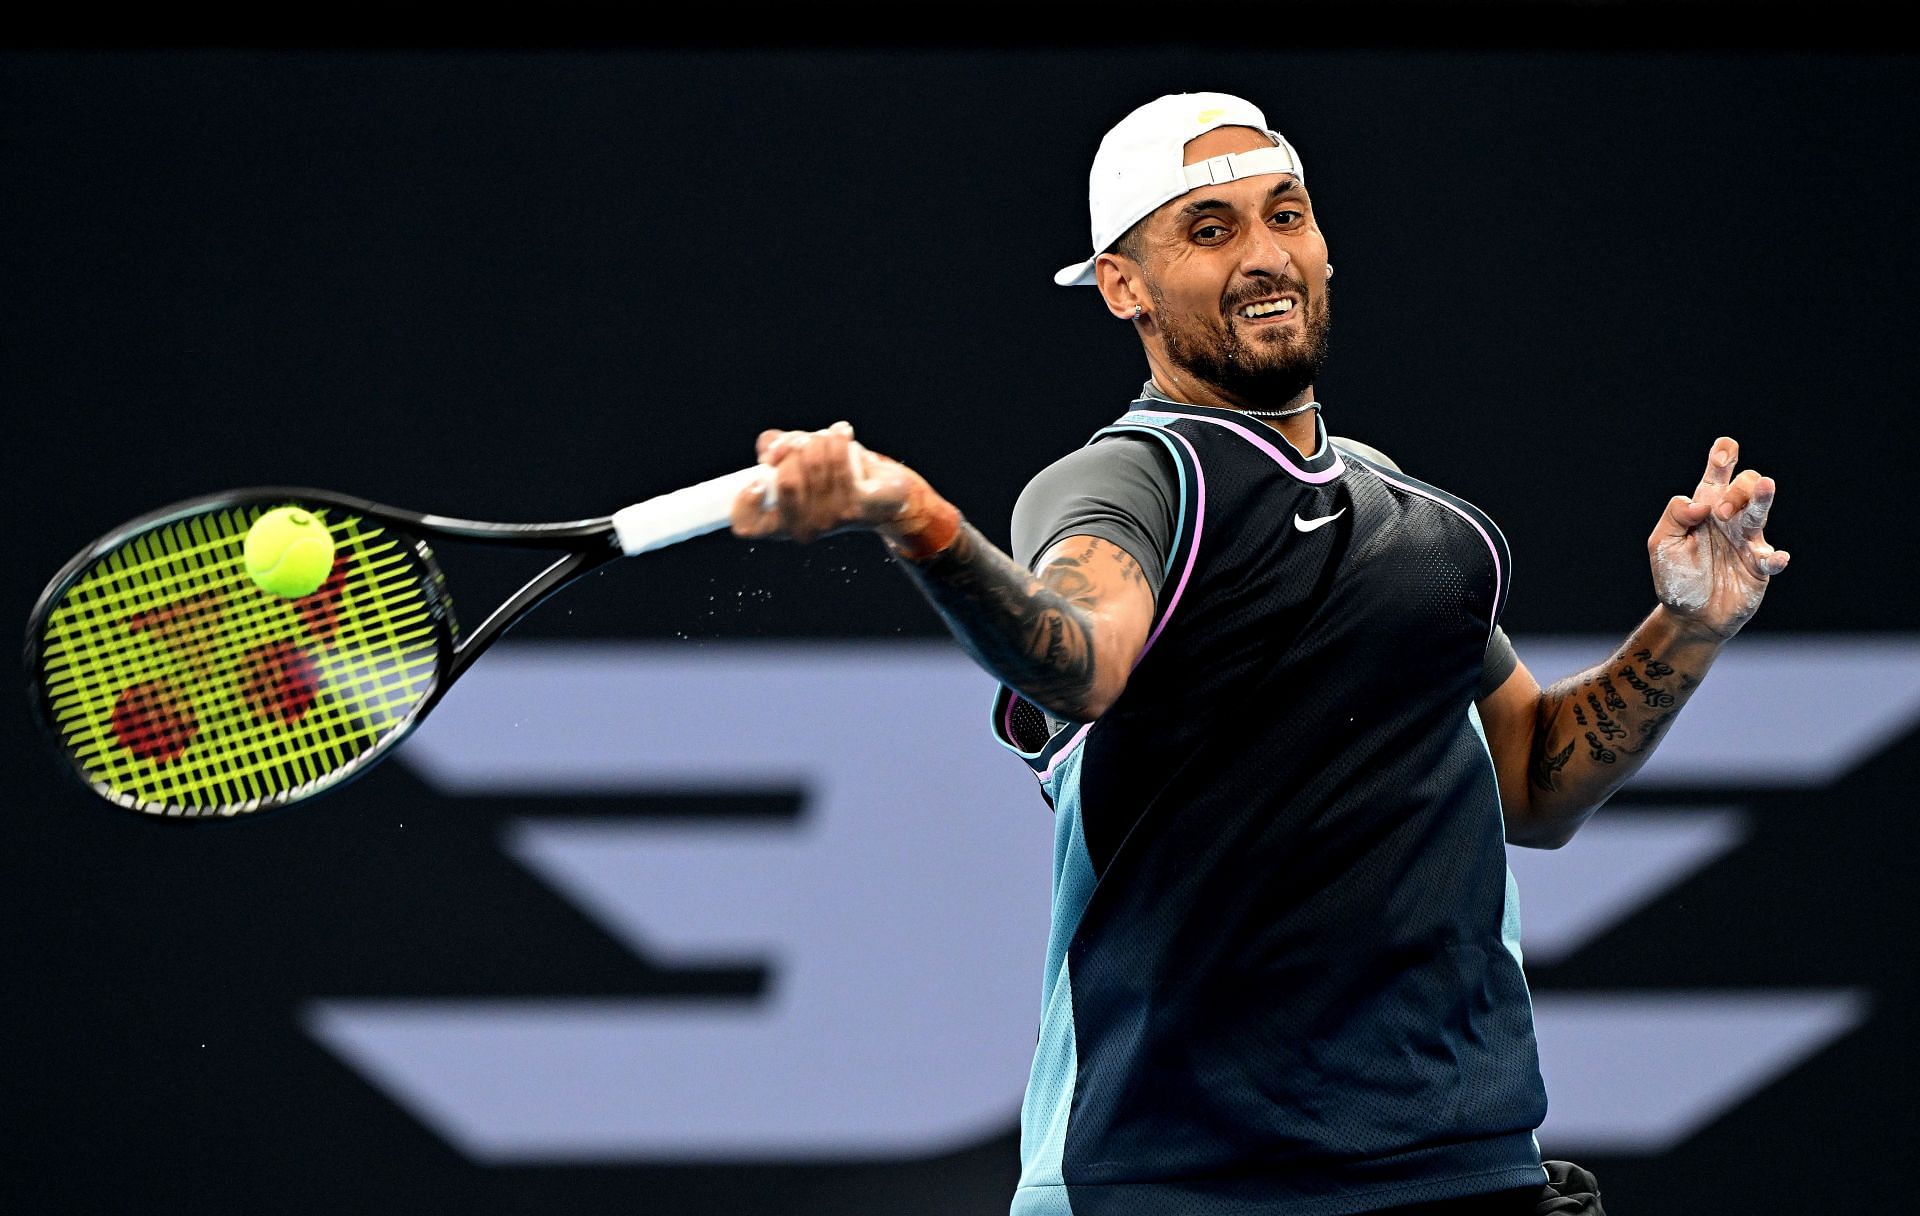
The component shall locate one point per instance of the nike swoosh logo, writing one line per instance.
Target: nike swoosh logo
(1308, 525)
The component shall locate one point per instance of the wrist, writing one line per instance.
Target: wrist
(927, 525)
(1685, 630)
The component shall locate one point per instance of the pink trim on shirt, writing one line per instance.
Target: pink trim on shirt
(1332, 471)
(1060, 756)
(1193, 550)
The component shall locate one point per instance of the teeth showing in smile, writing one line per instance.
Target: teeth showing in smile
(1267, 308)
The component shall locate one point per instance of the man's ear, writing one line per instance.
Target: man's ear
(1121, 285)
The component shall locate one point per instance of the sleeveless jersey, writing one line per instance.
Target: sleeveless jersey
(1284, 968)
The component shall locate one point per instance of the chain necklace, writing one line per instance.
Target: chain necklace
(1153, 390)
(1298, 409)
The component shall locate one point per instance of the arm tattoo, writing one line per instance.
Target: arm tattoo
(1608, 727)
(1590, 736)
(1653, 728)
(1656, 670)
(1657, 698)
(1547, 768)
(1034, 633)
(1614, 699)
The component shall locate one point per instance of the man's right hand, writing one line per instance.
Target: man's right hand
(821, 482)
(1065, 639)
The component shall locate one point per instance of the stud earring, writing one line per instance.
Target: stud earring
(1136, 310)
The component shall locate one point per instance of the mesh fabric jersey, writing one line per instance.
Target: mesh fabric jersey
(1284, 971)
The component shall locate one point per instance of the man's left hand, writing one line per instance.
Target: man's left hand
(1711, 562)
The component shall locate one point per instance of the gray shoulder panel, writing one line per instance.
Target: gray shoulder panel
(1122, 488)
(1365, 451)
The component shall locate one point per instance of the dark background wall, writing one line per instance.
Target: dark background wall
(538, 284)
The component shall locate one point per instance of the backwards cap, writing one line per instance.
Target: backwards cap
(1140, 164)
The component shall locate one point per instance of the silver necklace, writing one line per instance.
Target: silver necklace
(1298, 409)
(1153, 390)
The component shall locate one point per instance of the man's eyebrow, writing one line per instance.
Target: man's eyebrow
(1286, 185)
(1205, 205)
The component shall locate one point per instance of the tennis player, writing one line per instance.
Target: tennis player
(1260, 677)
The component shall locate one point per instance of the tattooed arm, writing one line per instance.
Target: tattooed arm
(1561, 752)
(1065, 638)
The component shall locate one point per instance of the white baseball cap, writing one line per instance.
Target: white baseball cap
(1141, 164)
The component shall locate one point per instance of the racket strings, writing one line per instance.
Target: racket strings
(83, 673)
(185, 641)
(178, 684)
(205, 679)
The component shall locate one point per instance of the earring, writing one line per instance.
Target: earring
(1329, 269)
(1136, 310)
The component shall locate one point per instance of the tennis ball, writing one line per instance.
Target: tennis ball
(289, 552)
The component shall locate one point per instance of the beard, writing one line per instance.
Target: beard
(1263, 373)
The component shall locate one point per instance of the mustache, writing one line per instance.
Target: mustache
(1260, 291)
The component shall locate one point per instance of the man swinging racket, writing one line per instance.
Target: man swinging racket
(1260, 676)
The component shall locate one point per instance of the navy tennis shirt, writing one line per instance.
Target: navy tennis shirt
(1284, 969)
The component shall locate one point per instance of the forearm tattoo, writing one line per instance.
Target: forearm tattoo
(1591, 736)
(1034, 632)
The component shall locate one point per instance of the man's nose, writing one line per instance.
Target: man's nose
(1263, 253)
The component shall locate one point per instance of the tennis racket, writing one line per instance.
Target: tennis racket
(176, 686)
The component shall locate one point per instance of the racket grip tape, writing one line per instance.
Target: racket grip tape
(668, 519)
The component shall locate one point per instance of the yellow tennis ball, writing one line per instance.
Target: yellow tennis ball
(289, 552)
